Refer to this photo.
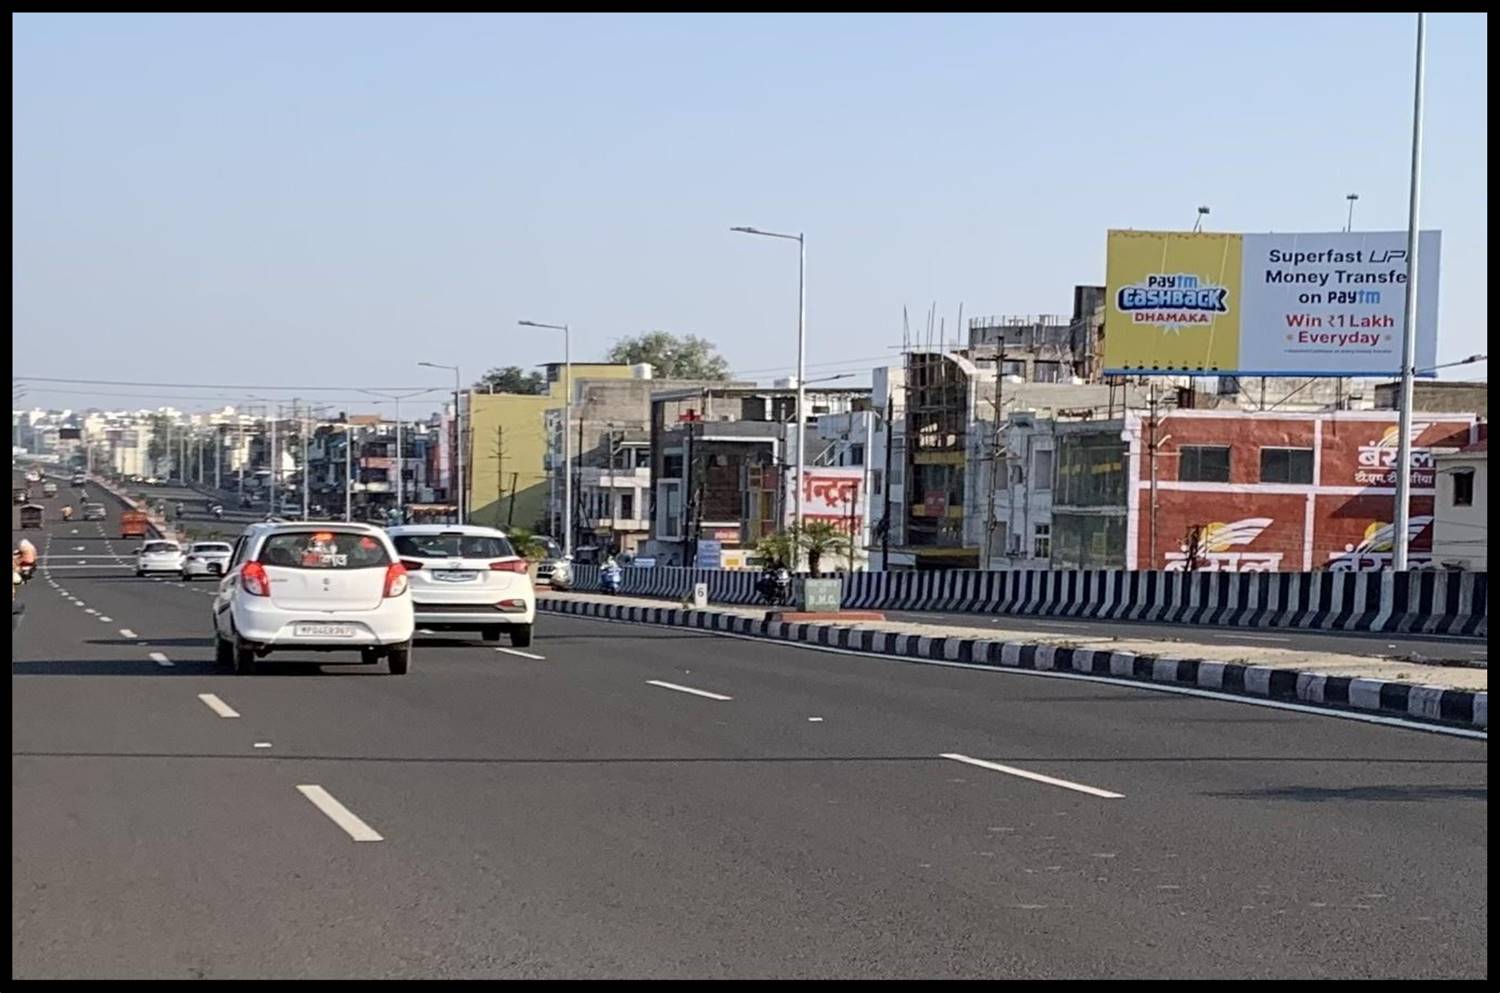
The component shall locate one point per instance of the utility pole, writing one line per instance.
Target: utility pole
(1409, 321)
(275, 462)
(348, 470)
(306, 470)
(1151, 448)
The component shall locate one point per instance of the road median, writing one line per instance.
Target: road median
(1451, 696)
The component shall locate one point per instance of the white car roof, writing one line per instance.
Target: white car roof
(474, 530)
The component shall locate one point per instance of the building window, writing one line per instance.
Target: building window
(1041, 541)
(1013, 368)
(627, 506)
(1041, 469)
(1047, 372)
(877, 481)
(1286, 465)
(1204, 464)
(1463, 487)
(671, 467)
(857, 454)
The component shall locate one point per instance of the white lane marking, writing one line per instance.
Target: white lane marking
(524, 655)
(1249, 701)
(262, 744)
(218, 706)
(90, 610)
(339, 814)
(160, 659)
(1035, 776)
(96, 565)
(1247, 637)
(687, 689)
(127, 633)
(815, 720)
(106, 620)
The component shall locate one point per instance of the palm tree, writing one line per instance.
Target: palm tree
(526, 544)
(821, 538)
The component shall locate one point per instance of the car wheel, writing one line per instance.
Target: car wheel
(520, 636)
(223, 650)
(369, 656)
(244, 658)
(398, 659)
(491, 633)
(139, 573)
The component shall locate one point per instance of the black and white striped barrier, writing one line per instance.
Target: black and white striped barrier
(1422, 602)
(1429, 704)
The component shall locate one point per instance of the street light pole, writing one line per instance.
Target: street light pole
(1351, 198)
(1409, 319)
(801, 363)
(567, 435)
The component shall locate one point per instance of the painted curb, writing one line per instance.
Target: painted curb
(1427, 704)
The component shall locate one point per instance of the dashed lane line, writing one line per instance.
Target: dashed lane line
(1034, 776)
(160, 659)
(687, 689)
(218, 706)
(338, 813)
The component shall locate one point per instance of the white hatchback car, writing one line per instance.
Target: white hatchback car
(321, 587)
(158, 556)
(206, 558)
(467, 578)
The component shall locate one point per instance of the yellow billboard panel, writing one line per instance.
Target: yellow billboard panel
(1174, 301)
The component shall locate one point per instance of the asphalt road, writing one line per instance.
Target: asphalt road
(564, 814)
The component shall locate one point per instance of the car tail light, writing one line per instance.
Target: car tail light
(395, 579)
(411, 564)
(514, 603)
(254, 579)
(508, 565)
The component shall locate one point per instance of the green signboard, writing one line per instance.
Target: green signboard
(821, 596)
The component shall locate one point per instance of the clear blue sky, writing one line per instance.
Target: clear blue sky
(330, 199)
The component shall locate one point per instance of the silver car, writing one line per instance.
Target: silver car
(158, 556)
(206, 558)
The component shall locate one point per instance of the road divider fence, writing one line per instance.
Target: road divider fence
(1419, 602)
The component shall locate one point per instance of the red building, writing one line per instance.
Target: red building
(1245, 492)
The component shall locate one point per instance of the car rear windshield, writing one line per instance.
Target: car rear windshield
(211, 547)
(93, 506)
(160, 546)
(454, 546)
(323, 550)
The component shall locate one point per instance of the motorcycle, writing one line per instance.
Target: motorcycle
(218, 513)
(775, 587)
(610, 578)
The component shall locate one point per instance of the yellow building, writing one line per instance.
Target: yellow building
(508, 481)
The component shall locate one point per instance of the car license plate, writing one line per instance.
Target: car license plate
(318, 630)
(455, 575)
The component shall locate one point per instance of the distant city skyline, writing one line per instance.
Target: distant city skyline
(335, 198)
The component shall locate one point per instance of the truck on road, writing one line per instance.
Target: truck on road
(133, 524)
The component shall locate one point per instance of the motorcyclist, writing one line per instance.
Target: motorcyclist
(26, 558)
(775, 582)
(219, 511)
(610, 575)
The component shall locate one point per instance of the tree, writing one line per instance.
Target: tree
(672, 356)
(512, 379)
(821, 538)
(778, 547)
(156, 448)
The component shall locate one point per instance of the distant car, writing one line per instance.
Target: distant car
(94, 512)
(552, 554)
(314, 587)
(206, 558)
(467, 578)
(79, 479)
(49, 488)
(158, 556)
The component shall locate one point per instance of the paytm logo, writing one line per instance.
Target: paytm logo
(1173, 291)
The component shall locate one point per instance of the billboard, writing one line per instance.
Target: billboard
(1265, 304)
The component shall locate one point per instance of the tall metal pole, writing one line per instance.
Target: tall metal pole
(400, 493)
(275, 462)
(306, 469)
(348, 471)
(1409, 319)
(801, 378)
(458, 421)
(567, 442)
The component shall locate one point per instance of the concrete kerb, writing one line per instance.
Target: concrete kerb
(1421, 703)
